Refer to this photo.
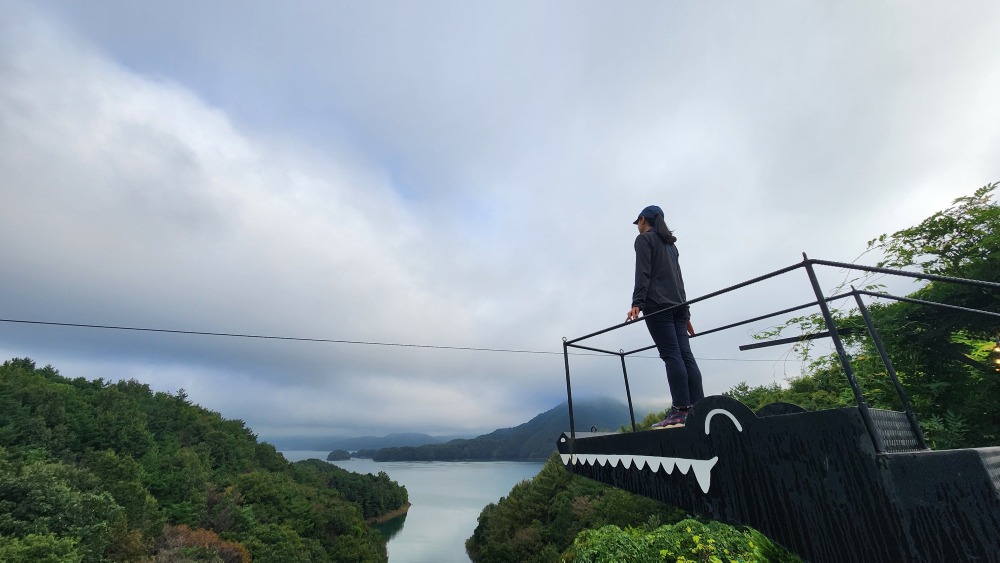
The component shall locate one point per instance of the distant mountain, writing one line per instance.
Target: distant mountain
(361, 443)
(387, 441)
(535, 439)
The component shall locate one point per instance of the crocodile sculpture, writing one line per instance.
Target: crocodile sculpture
(811, 481)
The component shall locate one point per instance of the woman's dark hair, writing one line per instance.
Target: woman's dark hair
(661, 229)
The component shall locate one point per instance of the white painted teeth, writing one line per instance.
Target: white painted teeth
(702, 467)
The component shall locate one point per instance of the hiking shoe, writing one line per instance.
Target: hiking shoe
(675, 419)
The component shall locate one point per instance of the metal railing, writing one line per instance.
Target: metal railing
(808, 264)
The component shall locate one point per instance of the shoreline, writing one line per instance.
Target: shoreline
(391, 515)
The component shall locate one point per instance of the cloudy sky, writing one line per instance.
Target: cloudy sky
(457, 174)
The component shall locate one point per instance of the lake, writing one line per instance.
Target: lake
(446, 498)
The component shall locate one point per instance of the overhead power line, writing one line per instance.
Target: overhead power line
(339, 341)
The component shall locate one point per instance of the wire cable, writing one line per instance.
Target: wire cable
(338, 341)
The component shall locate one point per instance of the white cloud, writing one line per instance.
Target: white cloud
(452, 175)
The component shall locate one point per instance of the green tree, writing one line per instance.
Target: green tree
(39, 548)
(121, 476)
(180, 482)
(43, 498)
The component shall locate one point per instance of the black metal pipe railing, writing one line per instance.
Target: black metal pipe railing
(581, 347)
(793, 339)
(628, 392)
(771, 315)
(928, 303)
(873, 332)
(637, 350)
(569, 394)
(845, 361)
(905, 274)
(696, 300)
(808, 264)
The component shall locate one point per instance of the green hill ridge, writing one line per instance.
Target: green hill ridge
(97, 471)
(533, 440)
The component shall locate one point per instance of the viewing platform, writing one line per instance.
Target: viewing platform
(847, 484)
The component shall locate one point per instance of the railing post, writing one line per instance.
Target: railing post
(628, 392)
(845, 362)
(890, 369)
(569, 397)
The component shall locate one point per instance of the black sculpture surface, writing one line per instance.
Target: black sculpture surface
(811, 481)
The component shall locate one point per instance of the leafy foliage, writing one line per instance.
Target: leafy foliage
(48, 497)
(39, 548)
(686, 541)
(95, 471)
(962, 238)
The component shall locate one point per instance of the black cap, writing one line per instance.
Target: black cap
(649, 212)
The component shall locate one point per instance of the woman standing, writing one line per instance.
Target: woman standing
(659, 293)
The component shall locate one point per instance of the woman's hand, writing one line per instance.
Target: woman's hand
(690, 328)
(633, 314)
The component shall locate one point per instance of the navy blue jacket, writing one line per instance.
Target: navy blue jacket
(658, 281)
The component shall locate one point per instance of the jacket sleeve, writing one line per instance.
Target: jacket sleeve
(643, 269)
(680, 277)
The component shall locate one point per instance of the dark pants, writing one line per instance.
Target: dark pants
(669, 332)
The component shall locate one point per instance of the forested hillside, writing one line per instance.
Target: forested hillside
(533, 440)
(94, 471)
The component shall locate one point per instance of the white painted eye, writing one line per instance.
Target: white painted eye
(562, 440)
(708, 419)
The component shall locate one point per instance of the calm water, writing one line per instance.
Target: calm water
(447, 497)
